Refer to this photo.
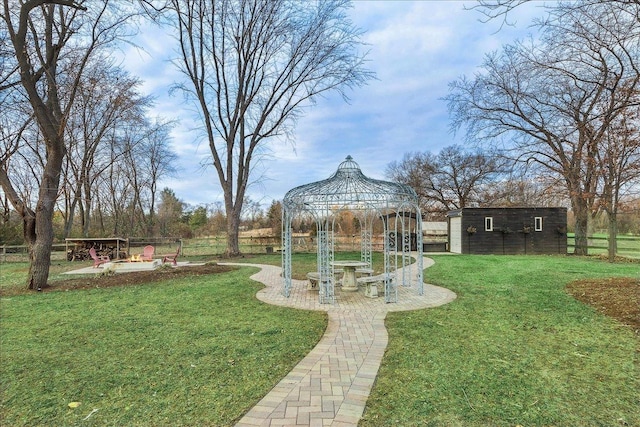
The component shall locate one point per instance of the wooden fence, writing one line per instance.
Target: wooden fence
(628, 246)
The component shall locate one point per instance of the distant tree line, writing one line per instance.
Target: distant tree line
(170, 217)
(457, 177)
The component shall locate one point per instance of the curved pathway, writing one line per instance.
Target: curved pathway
(330, 386)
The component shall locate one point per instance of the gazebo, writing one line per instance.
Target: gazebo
(371, 201)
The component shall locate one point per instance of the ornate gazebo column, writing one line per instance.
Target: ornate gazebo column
(419, 261)
(325, 258)
(286, 250)
(366, 237)
(390, 290)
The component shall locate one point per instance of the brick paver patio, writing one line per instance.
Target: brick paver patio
(330, 386)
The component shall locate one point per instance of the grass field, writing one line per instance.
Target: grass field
(190, 352)
(513, 349)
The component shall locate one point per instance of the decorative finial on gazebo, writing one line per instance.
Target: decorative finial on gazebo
(348, 167)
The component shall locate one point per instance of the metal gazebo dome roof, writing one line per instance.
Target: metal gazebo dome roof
(349, 188)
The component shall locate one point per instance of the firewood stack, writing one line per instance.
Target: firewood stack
(81, 252)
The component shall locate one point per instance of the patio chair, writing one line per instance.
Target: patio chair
(98, 260)
(147, 253)
(172, 257)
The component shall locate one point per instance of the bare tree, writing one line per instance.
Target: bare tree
(147, 159)
(252, 67)
(42, 33)
(115, 192)
(552, 102)
(251, 212)
(618, 160)
(158, 163)
(452, 179)
(170, 211)
(492, 9)
(108, 100)
(134, 158)
(528, 188)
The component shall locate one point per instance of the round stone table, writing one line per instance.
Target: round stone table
(349, 283)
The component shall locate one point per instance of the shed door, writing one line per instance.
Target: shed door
(455, 236)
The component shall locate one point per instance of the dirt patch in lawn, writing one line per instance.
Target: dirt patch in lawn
(617, 297)
(126, 279)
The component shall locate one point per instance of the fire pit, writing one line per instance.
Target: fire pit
(133, 264)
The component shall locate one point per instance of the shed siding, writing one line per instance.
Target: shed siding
(513, 231)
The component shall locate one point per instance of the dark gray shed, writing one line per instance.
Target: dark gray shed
(508, 231)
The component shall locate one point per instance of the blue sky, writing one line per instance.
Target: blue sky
(415, 48)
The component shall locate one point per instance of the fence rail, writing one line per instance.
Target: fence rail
(628, 246)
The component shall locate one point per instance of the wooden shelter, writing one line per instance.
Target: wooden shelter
(113, 247)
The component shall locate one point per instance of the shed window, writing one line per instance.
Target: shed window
(488, 223)
(538, 223)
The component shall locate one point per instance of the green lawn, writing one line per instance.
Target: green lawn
(513, 349)
(195, 351)
(14, 274)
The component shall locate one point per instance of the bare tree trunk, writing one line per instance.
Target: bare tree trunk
(581, 213)
(233, 241)
(233, 229)
(86, 211)
(581, 203)
(68, 224)
(48, 115)
(41, 243)
(581, 223)
(613, 235)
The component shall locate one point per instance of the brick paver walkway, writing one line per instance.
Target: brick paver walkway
(330, 386)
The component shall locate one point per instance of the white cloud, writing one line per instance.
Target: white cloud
(416, 49)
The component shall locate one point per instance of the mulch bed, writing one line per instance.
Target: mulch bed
(127, 279)
(617, 297)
